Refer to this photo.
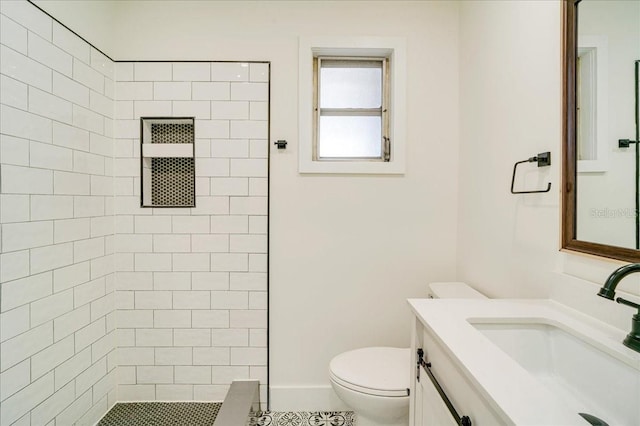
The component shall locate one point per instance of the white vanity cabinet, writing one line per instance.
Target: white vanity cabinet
(459, 398)
(513, 362)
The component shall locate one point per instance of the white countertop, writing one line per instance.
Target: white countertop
(508, 387)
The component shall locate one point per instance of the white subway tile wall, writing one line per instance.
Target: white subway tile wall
(190, 288)
(57, 316)
(191, 282)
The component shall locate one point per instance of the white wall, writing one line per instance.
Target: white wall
(510, 110)
(510, 98)
(56, 263)
(345, 252)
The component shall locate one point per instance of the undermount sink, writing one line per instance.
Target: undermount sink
(579, 373)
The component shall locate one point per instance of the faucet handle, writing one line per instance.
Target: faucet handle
(633, 338)
(628, 303)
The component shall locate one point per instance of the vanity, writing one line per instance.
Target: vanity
(518, 362)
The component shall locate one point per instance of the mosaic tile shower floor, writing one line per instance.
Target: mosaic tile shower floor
(161, 413)
(204, 414)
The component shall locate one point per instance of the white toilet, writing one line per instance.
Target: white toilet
(374, 382)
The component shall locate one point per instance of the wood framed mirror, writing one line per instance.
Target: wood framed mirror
(601, 50)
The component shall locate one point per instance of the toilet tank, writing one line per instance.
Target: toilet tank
(453, 290)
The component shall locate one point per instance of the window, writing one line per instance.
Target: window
(352, 105)
(351, 120)
(591, 109)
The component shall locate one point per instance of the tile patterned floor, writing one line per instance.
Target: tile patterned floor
(315, 418)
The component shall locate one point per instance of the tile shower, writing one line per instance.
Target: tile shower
(102, 300)
(191, 283)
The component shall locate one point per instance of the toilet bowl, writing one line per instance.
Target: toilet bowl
(374, 381)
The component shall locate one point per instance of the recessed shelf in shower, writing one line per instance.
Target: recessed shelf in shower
(167, 161)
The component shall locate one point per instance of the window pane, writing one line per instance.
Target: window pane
(355, 86)
(359, 136)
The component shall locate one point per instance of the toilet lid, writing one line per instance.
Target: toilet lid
(377, 371)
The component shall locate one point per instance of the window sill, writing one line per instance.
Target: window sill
(351, 167)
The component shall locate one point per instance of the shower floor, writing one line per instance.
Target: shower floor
(204, 414)
(161, 413)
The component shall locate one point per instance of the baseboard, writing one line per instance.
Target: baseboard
(305, 398)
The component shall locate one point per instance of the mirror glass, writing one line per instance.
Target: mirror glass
(607, 96)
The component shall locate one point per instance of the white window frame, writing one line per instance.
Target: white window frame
(382, 111)
(394, 49)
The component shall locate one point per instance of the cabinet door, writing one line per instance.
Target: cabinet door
(418, 403)
(430, 408)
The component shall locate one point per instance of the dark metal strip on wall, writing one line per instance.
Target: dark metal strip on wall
(637, 119)
(268, 241)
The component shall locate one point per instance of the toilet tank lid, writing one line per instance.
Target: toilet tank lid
(454, 290)
(375, 368)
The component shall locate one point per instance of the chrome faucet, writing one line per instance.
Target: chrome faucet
(608, 291)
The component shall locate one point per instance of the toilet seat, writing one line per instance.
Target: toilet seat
(378, 371)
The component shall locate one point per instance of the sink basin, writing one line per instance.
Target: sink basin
(578, 372)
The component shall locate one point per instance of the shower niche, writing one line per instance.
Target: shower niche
(167, 162)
